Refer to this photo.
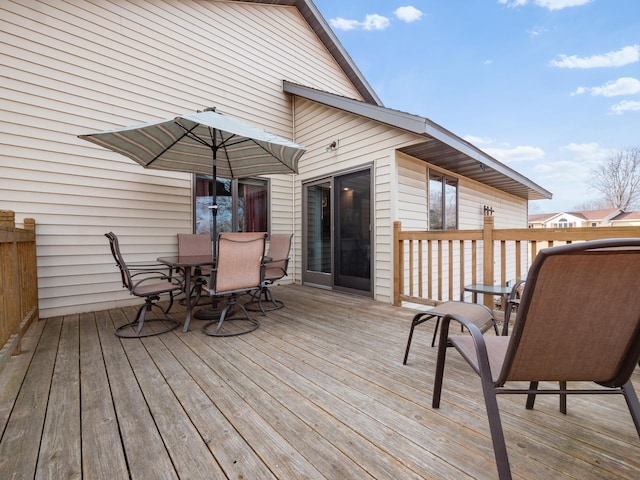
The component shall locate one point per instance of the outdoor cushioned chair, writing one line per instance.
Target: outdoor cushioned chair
(238, 270)
(480, 315)
(148, 281)
(578, 321)
(275, 267)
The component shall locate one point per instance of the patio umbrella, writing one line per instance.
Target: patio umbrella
(206, 142)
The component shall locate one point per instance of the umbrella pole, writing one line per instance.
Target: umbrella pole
(214, 201)
(214, 311)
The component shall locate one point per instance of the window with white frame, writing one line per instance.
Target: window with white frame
(443, 201)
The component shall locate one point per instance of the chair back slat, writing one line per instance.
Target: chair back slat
(239, 261)
(579, 316)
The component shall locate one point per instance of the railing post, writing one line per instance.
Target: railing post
(487, 247)
(31, 275)
(7, 218)
(398, 267)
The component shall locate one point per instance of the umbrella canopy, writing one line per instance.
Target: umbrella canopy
(190, 143)
(205, 142)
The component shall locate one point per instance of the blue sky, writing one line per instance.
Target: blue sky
(548, 87)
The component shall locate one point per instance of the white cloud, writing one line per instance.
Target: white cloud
(560, 4)
(372, 21)
(536, 31)
(513, 3)
(516, 154)
(344, 24)
(548, 4)
(587, 151)
(408, 14)
(625, 106)
(624, 56)
(614, 88)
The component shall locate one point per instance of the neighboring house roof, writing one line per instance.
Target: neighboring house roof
(586, 215)
(626, 216)
(441, 147)
(596, 214)
(541, 217)
(319, 25)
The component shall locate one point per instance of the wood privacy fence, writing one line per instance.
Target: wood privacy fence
(18, 282)
(431, 267)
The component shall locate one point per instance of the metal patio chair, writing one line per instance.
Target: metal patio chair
(578, 321)
(148, 281)
(275, 267)
(239, 270)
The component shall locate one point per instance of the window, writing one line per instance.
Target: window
(563, 223)
(443, 201)
(243, 205)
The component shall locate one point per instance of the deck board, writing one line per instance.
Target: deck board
(318, 391)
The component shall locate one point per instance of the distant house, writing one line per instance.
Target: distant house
(609, 217)
(72, 68)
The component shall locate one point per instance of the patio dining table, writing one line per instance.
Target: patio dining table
(188, 263)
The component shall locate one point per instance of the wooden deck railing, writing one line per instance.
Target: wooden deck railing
(431, 267)
(18, 282)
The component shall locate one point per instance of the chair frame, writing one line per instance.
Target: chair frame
(148, 281)
(480, 351)
(274, 269)
(212, 285)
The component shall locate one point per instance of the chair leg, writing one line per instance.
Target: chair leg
(563, 398)
(170, 302)
(268, 297)
(263, 295)
(417, 319)
(435, 332)
(442, 353)
(142, 313)
(531, 398)
(495, 427)
(632, 402)
(227, 315)
(125, 331)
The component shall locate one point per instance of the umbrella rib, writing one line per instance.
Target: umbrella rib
(175, 141)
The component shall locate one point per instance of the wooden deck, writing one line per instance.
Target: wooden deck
(318, 391)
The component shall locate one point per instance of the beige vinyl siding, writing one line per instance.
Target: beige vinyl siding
(283, 219)
(76, 67)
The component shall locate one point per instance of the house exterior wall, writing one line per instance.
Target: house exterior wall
(399, 181)
(361, 143)
(77, 67)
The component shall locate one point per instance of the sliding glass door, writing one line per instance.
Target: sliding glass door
(352, 239)
(337, 235)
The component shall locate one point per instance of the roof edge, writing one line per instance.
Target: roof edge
(412, 123)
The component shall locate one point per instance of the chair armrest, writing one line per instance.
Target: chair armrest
(268, 260)
(159, 277)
